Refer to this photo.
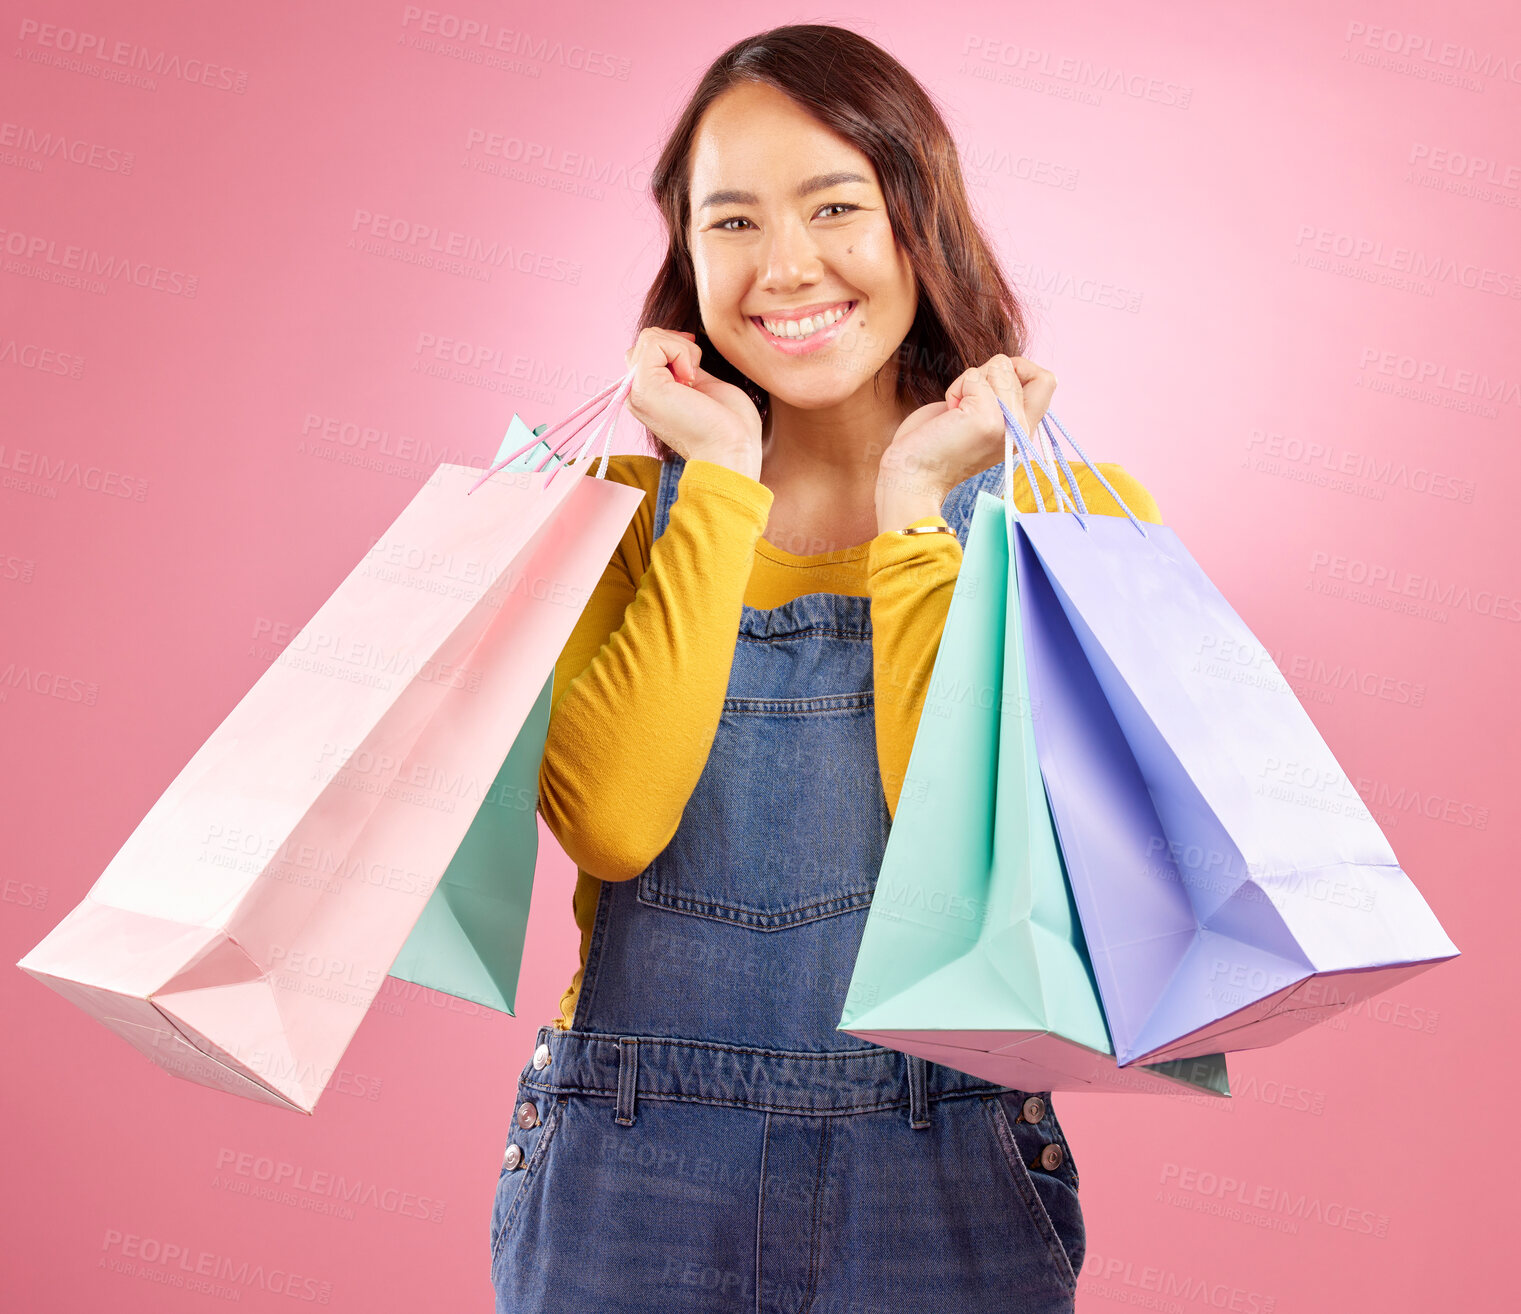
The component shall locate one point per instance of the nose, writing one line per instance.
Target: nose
(788, 256)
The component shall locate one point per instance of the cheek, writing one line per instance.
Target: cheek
(718, 282)
(871, 260)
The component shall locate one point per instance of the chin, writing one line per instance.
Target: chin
(832, 392)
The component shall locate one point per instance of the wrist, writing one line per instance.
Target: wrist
(742, 459)
(907, 491)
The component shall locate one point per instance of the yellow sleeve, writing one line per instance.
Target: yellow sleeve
(910, 579)
(1094, 497)
(639, 687)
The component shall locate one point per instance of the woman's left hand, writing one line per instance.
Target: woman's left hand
(945, 442)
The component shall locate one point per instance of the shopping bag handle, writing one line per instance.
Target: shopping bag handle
(605, 408)
(1014, 437)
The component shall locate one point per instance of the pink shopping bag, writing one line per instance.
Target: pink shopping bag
(243, 929)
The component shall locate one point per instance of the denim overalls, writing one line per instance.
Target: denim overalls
(703, 1138)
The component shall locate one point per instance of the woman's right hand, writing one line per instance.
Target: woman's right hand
(698, 414)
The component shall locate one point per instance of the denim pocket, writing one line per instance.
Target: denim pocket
(515, 1185)
(1049, 1196)
(793, 784)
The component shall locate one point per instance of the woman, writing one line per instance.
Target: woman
(820, 363)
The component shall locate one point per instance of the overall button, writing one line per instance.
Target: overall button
(528, 1114)
(1051, 1157)
(514, 1156)
(541, 1058)
(1034, 1109)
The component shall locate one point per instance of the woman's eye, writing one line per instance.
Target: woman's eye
(723, 224)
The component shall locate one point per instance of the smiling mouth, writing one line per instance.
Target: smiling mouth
(801, 330)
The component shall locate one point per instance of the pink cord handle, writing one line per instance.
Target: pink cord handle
(610, 418)
(595, 408)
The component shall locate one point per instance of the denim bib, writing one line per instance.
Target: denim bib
(702, 1137)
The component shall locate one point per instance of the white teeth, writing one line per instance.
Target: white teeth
(805, 327)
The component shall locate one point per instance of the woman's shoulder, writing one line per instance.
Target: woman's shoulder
(1132, 490)
(637, 471)
(1095, 496)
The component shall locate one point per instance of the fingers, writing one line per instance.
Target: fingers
(672, 349)
(1036, 385)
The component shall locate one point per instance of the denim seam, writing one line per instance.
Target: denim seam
(848, 1057)
(760, 1211)
(810, 1291)
(856, 702)
(530, 1175)
(805, 1110)
(810, 632)
(590, 975)
(780, 920)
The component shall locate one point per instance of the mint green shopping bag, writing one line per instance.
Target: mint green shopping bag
(973, 955)
(469, 940)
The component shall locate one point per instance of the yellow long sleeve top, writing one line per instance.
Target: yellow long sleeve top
(639, 687)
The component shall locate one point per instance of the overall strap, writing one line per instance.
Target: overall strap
(961, 501)
(665, 494)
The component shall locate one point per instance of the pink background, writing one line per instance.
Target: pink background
(1213, 246)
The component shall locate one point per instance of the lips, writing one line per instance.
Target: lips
(818, 338)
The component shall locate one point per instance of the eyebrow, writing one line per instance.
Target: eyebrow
(805, 188)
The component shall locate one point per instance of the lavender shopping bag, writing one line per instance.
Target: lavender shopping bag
(1233, 887)
(972, 955)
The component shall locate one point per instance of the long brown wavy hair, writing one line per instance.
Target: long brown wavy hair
(967, 311)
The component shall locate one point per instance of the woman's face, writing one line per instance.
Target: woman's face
(790, 231)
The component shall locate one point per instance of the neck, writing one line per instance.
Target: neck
(834, 451)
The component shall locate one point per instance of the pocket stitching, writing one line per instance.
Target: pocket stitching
(1024, 1183)
(530, 1169)
(755, 919)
